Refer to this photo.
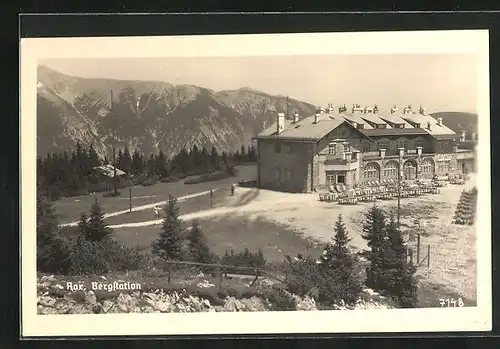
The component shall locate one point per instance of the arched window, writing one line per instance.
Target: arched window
(391, 169)
(371, 171)
(410, 170)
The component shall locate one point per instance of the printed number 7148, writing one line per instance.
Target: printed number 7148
(451, 302)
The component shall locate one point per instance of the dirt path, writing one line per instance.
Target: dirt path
(144, 207)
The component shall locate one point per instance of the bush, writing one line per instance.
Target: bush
(302, 277)
(280, 300)
(243, 259)
(101, 257)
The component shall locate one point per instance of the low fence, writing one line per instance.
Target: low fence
(222, 271)
(418, 255)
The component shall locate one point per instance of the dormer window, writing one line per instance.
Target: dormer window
(380, 126)
(399, 125)
(361, 126)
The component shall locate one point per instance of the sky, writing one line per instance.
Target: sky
(439, 82)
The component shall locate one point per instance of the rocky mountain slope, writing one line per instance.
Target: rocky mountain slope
(54, 298)
(149, 115)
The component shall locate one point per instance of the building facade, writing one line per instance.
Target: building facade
(352, 148)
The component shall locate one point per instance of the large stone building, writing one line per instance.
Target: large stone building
(352, 147)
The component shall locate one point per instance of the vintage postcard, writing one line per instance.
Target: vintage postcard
(251, 184)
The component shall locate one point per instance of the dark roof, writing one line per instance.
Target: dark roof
(394, 131)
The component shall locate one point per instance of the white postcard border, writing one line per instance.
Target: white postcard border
(401, 320)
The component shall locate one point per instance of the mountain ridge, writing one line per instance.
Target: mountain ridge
(151, 115)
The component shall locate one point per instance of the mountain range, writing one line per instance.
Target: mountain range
(153, 115)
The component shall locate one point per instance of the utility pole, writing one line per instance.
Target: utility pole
(113, 143)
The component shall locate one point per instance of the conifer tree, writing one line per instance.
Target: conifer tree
(399, 275)
(126, 164)
(214, 158)
(243, 154)
(137, 162)
(52, 255)
(374, 232)
(339, 279)
(169, 244)
(197, 245)
(82, 225)
(96, 229)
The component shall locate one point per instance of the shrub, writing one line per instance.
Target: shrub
(302, 276)
(243, 259)
(280, 300)
(101, 257)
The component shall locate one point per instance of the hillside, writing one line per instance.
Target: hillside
(149, 115)
(459, 122)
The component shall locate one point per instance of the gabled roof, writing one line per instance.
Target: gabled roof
(374, 118)
(424, 119)
(396, 118)
(354, 117)
(306, 129)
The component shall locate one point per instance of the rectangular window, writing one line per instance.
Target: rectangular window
(277, 147)
(288, 174)
(341, 179)
(330, 177)
(347, 147)
(332, 150)
(444, 167)
(383, 145)
(402, 143)
(390, 172)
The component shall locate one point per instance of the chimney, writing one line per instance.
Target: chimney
(330, 109)
(440, 121)
(295, 118)
(462, 137)
(316, 118)
(422, 110)
(281, 122)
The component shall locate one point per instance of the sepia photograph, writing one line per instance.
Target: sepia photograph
(308, 181)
